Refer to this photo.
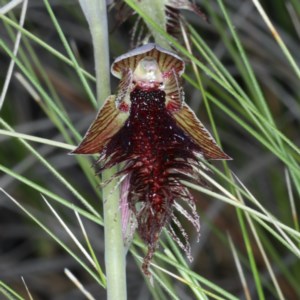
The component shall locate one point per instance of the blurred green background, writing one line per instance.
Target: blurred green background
(26, 250)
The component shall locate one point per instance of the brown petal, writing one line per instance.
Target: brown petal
(174, 92)
(187, 121)
(166, 60)
(107, 123)
(188, 5)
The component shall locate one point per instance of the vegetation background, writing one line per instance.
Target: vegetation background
(247, 94)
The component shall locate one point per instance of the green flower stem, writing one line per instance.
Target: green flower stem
(95, 12)
(96, 15)
(114, 247)
(155, 9)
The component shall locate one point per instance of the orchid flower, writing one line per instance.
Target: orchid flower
(149, 130)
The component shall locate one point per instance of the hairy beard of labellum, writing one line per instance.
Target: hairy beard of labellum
(157, 154)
